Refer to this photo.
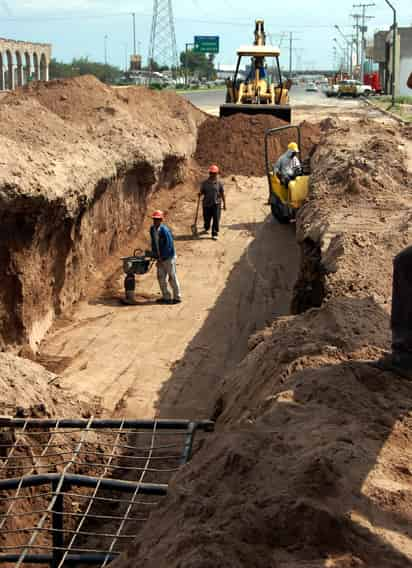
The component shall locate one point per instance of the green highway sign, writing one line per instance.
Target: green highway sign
(206, 44)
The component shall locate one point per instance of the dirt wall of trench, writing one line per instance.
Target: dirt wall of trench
(81, 161)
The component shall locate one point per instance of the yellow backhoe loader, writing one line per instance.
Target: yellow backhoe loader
(260, 93)
(284, 200)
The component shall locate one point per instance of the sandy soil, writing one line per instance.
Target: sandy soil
(145, 360)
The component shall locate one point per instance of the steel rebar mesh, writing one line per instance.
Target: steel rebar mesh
(83, 491)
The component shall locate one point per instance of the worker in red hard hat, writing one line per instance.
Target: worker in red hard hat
(213, 194)
(163, 250)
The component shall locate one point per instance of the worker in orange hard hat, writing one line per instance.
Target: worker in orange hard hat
(213, 194)
(163, 250)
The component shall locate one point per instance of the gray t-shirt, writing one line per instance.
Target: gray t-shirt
(212, 192)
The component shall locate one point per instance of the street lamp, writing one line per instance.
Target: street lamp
(394, 34)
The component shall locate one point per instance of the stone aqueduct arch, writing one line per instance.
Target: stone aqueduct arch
(21, 62)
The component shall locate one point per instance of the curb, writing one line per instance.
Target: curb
(387, 113)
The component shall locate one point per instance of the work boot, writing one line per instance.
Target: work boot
(398, 363)
(164, 301)
(177, 301)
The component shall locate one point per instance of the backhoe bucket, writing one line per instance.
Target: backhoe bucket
(284, 112)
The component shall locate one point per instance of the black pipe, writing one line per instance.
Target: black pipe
(84, 481)
(70, 560)
(187, 450)
(57, 526)
(161, 424)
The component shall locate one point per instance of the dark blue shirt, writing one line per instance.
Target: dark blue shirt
(166, 245)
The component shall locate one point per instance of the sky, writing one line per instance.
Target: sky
(77, 28)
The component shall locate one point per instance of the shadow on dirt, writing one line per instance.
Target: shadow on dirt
(364, 408)
(258, 289)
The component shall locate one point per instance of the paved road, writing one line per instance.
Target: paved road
(209, 101)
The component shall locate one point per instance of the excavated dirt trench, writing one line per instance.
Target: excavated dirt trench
(57, 257)
(310, 464)
(146, 360)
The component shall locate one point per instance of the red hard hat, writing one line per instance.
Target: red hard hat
(213, 169)
(158, 214)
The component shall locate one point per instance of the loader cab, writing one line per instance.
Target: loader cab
(263, 91)
(285, 201)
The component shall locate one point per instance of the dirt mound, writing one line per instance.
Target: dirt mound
(236, 143)
(28, 390)
(310, 465)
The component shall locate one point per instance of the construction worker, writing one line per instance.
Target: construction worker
(213, 195)
(400, 360)
(163, 250)
(288, 167)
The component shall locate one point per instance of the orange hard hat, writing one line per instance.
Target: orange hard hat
(213, 169)
(158, 214)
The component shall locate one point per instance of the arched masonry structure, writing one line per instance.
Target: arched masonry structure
(22, 62)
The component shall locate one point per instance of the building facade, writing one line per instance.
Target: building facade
(22, 62)
(382, 54)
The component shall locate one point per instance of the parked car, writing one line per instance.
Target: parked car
(332, 90)
(352, 88)
(311, 87)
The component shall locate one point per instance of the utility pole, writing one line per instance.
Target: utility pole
(186, 65)
(394, 39)
(363, 30)
(349, 50)
(126, 63)
(357, 27)
(292, 39)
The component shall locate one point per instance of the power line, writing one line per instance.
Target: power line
(233, 23)
(363, 31)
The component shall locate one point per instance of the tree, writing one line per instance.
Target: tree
(200, 64)
(83, 66)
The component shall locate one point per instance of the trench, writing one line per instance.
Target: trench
(57, 258)
(49, 259)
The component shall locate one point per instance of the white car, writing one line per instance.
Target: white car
(332, 90)
(311, 87)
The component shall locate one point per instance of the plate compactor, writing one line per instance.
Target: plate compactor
(286, 200)
(132, 265)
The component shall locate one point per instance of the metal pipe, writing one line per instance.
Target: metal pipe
(207, 425)
(394, 36)
(70, 560)
(83, 481)
(58, 527)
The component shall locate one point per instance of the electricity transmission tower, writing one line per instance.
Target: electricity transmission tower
(163, 48)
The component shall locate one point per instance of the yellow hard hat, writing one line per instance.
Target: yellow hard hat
(293, 146)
